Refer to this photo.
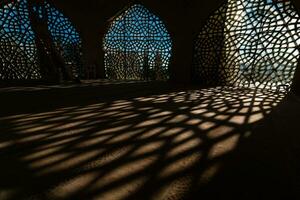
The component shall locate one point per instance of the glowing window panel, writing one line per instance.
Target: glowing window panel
(137, 46)
(249, 43)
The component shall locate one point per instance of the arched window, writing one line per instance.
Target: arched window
(18, 51)
(137, 46)
(249, 43)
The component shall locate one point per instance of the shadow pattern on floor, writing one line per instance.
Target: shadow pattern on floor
(213, 143)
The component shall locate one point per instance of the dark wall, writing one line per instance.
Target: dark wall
(296, 81)
(297, 4)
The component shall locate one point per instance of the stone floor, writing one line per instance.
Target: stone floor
(111, 141)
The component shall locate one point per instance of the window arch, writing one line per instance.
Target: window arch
(249, 43)
(18, 50)
(137, 46)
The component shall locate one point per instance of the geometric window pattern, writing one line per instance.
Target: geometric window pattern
(18, 51)
(66, 40)
(137, 46)
(249, 43)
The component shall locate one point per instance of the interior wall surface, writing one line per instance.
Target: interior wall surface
(296, 81)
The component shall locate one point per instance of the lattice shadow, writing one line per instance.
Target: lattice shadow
(162, 146)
